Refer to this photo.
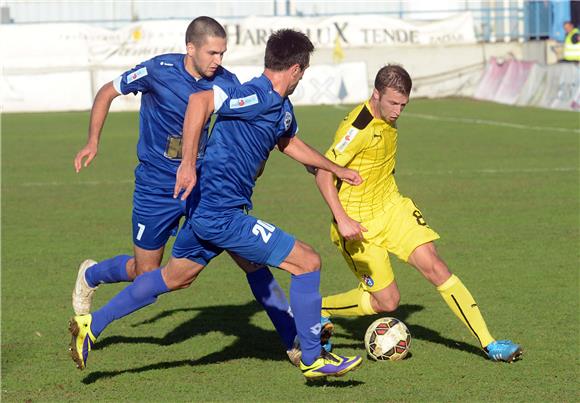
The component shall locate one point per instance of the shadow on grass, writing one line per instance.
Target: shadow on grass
(333, 383)
(355, 328)
(254, 342)
(230, 320)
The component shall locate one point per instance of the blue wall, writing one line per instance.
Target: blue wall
(560, 13)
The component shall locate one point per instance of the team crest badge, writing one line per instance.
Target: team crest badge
(368, 280)
(287, 120)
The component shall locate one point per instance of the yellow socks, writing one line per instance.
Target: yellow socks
(465, 308)
(356, 302)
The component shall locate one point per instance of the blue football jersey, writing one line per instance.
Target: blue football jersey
(165, 88)
(251, 119)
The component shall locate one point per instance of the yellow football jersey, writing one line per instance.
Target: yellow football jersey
(367, 145)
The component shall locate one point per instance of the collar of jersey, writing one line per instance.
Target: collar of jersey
(270, 86)
(184, 72)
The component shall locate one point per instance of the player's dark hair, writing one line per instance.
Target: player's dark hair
(286, 48)
(201, 28)
(394, 77)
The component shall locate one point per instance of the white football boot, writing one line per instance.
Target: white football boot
(82, 295)
(295, 354)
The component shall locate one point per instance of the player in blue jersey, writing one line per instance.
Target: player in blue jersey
(166, 82)
(252, 119)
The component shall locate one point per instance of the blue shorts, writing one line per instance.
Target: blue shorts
(156, 216)
(206, 234)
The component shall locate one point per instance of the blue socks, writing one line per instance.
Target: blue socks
(306, 304)
(141, 292)
(268, 293)
(112, 270)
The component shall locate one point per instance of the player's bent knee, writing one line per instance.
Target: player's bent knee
(312, 262)
(180, 273)
(308, 260)
(386, 300)
(131, 269)
(178, 283)
(144, 268)
(389, 305)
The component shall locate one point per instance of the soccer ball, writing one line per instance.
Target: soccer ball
(387, 339)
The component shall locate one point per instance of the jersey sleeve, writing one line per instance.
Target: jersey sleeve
(226, 79)
(348, 142)
(241, 101)
(138, 79)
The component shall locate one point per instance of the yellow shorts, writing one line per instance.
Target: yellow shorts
(399, 231)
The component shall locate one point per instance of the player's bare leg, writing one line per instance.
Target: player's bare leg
(144, 260)
(387, 299)
(180, 273)
(425, 259)
(301, 260)
(461, 302)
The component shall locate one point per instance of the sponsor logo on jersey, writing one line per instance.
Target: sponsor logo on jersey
(368, 280)
(142, 72)
(166, 64)
(236, 103)
(287, 120)
(346, 140)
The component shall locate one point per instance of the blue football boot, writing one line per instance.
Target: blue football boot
(504, 350)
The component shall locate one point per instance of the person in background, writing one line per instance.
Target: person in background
(571, 51)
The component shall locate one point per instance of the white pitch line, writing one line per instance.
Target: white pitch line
(490, 171)
(490, 123)
(84, 183)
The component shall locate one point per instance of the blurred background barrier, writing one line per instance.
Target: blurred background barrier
(456, 49)
(514, 82)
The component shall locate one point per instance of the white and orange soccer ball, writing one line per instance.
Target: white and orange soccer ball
(387, 339)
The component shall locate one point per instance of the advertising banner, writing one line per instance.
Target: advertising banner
(523, 83)
(326, 84)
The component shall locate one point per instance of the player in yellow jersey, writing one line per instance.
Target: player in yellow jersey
(374, 219)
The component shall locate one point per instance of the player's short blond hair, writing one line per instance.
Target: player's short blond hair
(395, 77)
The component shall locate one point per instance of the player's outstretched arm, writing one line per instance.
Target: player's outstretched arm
(199, 110)
(303, 153)
(99, 113)
(350, 229)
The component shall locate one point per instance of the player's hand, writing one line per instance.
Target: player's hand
(350, 229)
(349, 176)
(184, 181)
(89, 152)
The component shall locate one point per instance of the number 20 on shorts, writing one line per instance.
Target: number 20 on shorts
(264, 230)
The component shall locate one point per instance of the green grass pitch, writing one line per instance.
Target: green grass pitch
(500, 184)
